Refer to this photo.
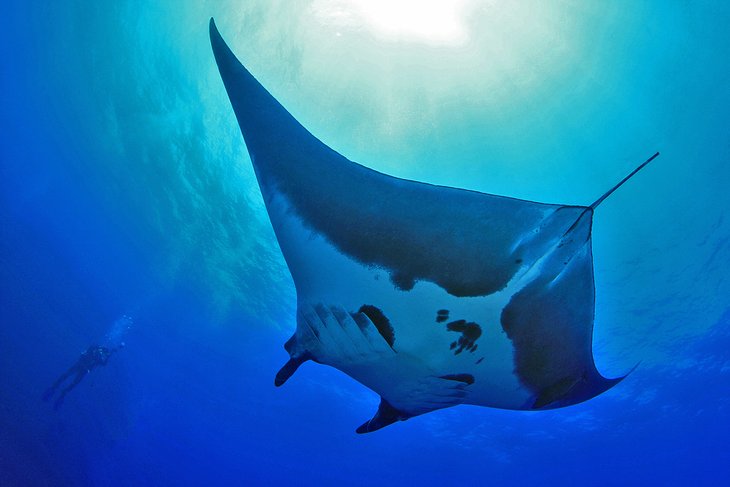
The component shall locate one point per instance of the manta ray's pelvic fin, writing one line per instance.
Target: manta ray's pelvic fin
(385, 415)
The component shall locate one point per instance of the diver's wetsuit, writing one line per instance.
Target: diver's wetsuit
(94, 356)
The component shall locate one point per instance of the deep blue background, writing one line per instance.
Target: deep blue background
(90, 232)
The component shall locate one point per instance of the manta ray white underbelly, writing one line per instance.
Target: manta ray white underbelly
(430, 296)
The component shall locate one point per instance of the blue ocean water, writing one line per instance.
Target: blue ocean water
(126, 190)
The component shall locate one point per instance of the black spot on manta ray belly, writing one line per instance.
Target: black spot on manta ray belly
(381, 322)
(442, 315)
(470, 332)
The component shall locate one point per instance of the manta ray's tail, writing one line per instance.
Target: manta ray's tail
(610, 191)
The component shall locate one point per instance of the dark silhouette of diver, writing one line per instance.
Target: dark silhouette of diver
(94, 356)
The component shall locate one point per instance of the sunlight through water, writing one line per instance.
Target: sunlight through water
(429, 21)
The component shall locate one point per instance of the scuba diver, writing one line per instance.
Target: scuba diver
(94, 356)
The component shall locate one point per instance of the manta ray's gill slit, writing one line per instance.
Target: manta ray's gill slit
(465, 378)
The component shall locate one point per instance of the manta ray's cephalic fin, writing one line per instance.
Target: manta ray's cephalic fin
(288, 369)
(384, 416)
(296, 359)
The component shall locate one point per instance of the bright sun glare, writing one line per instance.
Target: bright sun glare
(429, 21)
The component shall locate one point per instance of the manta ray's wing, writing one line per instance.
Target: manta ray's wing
(516, 276)
(550, 323)
(468, 243)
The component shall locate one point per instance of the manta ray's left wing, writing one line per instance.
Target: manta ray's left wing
(468, 243)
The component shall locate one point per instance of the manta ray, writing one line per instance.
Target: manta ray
(430, 296)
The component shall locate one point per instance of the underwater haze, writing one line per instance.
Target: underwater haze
(130, 215)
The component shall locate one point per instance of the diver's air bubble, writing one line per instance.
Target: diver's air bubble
(116, 335)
